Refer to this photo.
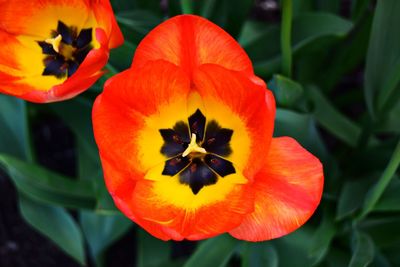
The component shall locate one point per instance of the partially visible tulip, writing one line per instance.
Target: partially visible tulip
(52, 50)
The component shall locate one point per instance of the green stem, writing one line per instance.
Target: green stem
(286, 31)
(383, 182)
(186, 6)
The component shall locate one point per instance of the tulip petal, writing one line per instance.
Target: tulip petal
(232, 99)
(189, 41)
(37, 18)
(215, 210)
(288, 190)
(132, 109)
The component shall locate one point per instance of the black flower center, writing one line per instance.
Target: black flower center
(66, 50)
(205, 164)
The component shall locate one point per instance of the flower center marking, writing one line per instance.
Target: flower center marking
(65, 50)
(195, 151)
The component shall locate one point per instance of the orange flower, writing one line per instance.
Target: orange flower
(53, 50)
(185, 139)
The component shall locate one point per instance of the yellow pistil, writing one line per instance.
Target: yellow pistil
(55, 42)
(66, 50)
(193, 147)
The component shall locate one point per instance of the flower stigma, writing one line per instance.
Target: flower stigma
(193, 147)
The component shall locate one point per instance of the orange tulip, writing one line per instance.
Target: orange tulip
(185, 139)
(53, 50)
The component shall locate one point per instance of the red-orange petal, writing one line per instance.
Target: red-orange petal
(189, 41)
(252, 102)
(288, 190)
(105, 18)
(203, 222)
(120, 111)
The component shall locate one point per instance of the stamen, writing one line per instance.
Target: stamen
(55, 42)
(193, 147)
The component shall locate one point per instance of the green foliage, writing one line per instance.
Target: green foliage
(307, 59)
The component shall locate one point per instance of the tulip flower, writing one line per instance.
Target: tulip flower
(54, 50)
(185, 140)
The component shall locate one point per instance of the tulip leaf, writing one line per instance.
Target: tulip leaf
(332, 6)
(121, 57)
(382, 76)
(101, 231)
(293, 249)
(55, 223)
(77, 115)
(152, 252)
(307, 28)
(286, 91)
(390, 123)
(137, 20)
(390, 200)
(363, 250)
(384, 231)
(213, 252)
(352, 196)
(302, 127)
(358, 8)
(14, 130)
(48, 187)
(259, 255)
(322, 238)
(332, 120)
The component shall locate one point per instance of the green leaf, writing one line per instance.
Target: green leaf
(307, 28)
(214, 252)
(293, 249)
(358, 8)
(77, 114)
(301, 127)
(48, 187)
(259, 255)
(101, 231)
(286, 91)
(352, 196)
(332, 120)
(14, 130)
(152, 252)
(382, 77)
(390, 198)
(363, 250)
(332, 6)
(140, 21)
(390, 123)
(383, 230)
(322, 238)
(121, 57)
(384, 180)
(337, 57)
(56, 224)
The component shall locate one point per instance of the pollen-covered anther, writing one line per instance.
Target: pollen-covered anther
(193, 147)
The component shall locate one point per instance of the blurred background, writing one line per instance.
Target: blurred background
(334, 68)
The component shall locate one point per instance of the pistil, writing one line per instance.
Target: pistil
(55, 42)
(193, 147)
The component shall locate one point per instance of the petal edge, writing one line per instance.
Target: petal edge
(288, 191)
